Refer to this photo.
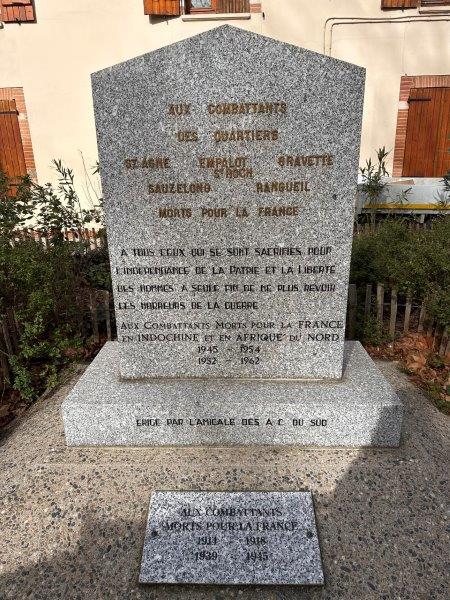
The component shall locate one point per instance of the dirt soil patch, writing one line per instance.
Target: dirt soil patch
(417, 357)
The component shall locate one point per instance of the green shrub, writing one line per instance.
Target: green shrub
(409, 259)
(371, 331)
(42, 282)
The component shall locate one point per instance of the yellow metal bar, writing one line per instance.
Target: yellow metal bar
(409, 206)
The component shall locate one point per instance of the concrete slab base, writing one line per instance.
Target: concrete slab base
(361, 409)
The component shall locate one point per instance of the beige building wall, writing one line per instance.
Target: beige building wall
(53, 58)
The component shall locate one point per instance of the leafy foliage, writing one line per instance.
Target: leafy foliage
(444, 199)
(416, 260)
(52, 212)
(374, 183)
(15, 209)
(42, 282)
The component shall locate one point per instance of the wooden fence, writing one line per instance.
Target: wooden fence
(93, 236)
(369, 228)
(395, 314)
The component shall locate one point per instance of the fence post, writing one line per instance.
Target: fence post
(13, 328)
(107, 313)
(80, 311)
(407, 311)
(393, 318)
(88, 238)
(352, 303)
(368, 301)
(94, 237)
(423, 312)
(93, 309)
(7, 337)
(380, 302)
(444, 342)
(4, 364)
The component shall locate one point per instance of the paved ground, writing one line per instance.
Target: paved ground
(72, 520)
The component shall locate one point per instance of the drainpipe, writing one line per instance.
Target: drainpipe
(367, 20)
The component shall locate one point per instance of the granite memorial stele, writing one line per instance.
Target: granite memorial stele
(229, 166)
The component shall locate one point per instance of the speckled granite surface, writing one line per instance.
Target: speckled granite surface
(231, 538)
(360, 410)
(314, 112)
(73, 520)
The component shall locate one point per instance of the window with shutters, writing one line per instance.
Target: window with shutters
(16, 152)
(17, 11)
(422, 137)
(12, 156)
(432, 3)
(178, 7)
(402, 4)
(167, 8)
(427, 147)
(399, 4)
(201, 6)
(217, 6)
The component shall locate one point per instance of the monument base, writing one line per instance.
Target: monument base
(361, 409)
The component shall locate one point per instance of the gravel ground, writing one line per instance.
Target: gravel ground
(73, 520)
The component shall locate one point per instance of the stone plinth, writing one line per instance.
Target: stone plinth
(360, 410)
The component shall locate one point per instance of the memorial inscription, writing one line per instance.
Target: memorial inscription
(233, 257)
(231, 537)
(228, 165)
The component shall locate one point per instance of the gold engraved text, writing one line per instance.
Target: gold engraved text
(179, 188)
(179, 110)
(150, 162)
(310, 160)
(247, 108)
(246, 135)
(282, 186)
